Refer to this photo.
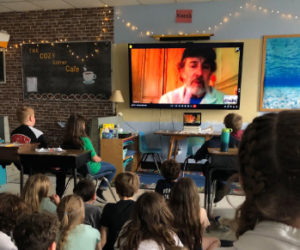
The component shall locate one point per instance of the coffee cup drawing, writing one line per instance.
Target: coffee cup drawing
(89, 77)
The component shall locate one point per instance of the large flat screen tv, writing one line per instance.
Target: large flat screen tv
(185, 75)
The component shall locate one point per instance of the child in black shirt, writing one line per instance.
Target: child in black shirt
(170, 170)
(116, 214)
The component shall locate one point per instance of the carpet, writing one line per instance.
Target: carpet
(149, 178)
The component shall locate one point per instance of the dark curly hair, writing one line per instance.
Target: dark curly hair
(269, 169)
(36, 231)
(170, 169)
(208, 53)
(11, 207)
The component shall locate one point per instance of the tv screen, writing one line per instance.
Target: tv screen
(185, 75)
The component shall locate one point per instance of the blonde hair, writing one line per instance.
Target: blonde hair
(36, 188)
(70, 212)
(23, 113)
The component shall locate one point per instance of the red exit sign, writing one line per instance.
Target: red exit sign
(184, 16)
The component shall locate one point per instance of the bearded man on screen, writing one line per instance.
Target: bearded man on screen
(195, 69)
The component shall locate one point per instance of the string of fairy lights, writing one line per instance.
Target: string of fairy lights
(106, 12)
(223, 21)
(238, 12)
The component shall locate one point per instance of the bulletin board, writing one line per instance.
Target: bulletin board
(72, 70)
(2, 66)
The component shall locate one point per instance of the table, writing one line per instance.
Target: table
(70, 159)
(176, 136)
(218, 160)
(9, 153)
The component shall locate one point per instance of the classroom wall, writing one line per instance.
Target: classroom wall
(36, 26)
(245, 21)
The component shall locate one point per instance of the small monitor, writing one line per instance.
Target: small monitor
(191, 119)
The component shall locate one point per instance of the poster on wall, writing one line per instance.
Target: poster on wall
(280, 82)
(73, 70)
(2, 66)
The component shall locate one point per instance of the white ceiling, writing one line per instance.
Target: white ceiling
(27, 5)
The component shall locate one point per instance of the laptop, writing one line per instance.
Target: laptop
(192, 122)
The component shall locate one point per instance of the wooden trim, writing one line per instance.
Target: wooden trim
(177, 37)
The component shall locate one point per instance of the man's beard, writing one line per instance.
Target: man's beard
(197, 87)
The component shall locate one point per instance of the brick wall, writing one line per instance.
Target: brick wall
(73, 25)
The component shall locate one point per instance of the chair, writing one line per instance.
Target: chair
(98, 178)
(193, 144)
(145, 151)
(217, 163)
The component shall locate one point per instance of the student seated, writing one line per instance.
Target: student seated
(26, 133)
(170, 170)
(190, 220)
(87, 191)
(35, 194)
(116, 214)
(11, 208)
(76, 138)
(269, 160)
(74, 235)
(36, 231)
(150, 226)
(233, 121)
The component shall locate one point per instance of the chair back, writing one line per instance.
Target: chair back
(142, 142)
(193, 144)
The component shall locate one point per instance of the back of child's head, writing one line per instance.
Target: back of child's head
(75, 129)
(127, 184)
(185, 204)
(170, 169)
(85, 189)
(11, 207)
(36, 188)
(151, 219)
(36, 231)
(70, 212)
(269, 170)
(23, 114)
(234, 121)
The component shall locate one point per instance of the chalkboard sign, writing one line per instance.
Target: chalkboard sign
(63, 70)
(2, 67)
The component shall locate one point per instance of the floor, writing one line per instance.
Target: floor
(223, 210)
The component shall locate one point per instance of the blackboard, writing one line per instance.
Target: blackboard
(74, 69)
(2, 67)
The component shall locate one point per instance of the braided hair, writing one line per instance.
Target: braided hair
(269, 158)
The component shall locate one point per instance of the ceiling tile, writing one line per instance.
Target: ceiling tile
(9, 1)
(120, 2)
(189, 1)
(156, 1)
(20, 6)
(52, 4)
(85, 3)
(4, 9)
